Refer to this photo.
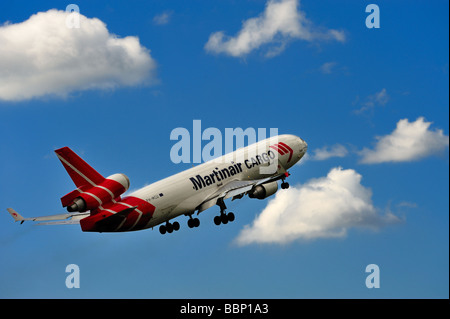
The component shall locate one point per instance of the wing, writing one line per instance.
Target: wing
(61, 222)
(236, 189)
(75, 217)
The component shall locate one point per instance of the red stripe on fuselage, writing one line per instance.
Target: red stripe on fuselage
(291, 151)
(135, 220)
(281, 147)
(275, 147)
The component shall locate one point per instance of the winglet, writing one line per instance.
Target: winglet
(17, 217)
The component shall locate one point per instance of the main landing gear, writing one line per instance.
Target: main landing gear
(224, 218)
(169, 227)
(193, 222)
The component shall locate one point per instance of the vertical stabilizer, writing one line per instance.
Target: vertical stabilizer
(80, 172)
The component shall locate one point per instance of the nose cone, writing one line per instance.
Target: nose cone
(303, 146)
(298, 148)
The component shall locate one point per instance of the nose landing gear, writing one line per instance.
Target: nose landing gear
(285, 185)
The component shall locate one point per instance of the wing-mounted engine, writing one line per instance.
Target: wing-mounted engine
(89, 198)
(264, 190)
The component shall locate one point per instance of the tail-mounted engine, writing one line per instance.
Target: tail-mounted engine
(91, 197)
(264, 190)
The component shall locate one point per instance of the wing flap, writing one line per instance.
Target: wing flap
(238, 191)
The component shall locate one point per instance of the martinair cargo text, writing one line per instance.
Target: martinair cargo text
(97, 204)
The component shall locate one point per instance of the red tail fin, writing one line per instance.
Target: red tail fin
(81, 173)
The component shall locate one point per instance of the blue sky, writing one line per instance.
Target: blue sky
(346, 90)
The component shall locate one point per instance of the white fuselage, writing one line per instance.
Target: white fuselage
(182, 193)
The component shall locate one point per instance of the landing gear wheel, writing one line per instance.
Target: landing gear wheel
(196, 222)
(193, 222)
(285, 185)
(224, 219)
(169, 227)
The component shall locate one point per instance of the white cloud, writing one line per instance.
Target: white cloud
(337, 150)
(280, 22)
(407, 204)
(327, 67)
(377, 99)
(163, 18)
(380, 98)
(325, 207)
(42, 56)
(408, 142)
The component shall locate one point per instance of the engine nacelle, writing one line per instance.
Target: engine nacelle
(264, 190)
(112, 187)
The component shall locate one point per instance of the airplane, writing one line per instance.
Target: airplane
(96, 204)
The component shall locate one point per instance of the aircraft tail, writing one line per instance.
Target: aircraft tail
(81, 173)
